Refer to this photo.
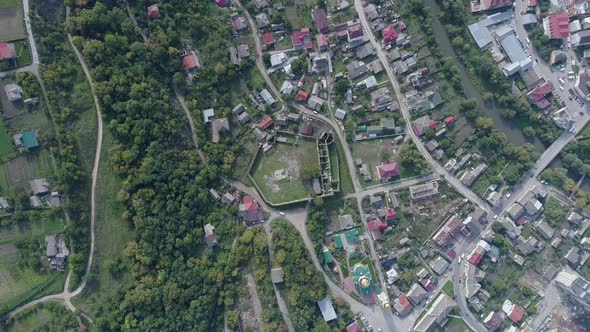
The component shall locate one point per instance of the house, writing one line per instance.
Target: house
(431, 145)
(267, 97)
(371, 12)
(248, 210)
(421, 125)
(402, 305)
(4, 204)
(239, 23)
(259, 4)
(302, 39)
(416, 294)
(493, 321)
(208, 115)
(538, 95)
(375, 66)
(513, 311)
(573, 257)
(278, 59)
(228, 198)
(55, 199)
(243, 51)
(354, 326)
(436, 315)
(219, 126)
(222, 3)
(320, 20)
(259, 134)
(13, 92)
(356, 69)
(346, 221)
(27, 139)
(516, 211)
(390, 214)
(485, 5)
(446, 233)
(276, 275)
(191, 62)
(306, 129)
(56, 251)
(574, 218)
(388, 170)
(315, 103)
(380, 99)
(364, 51)
(269, 39)
(327, 309)
(581, 38)
(39, 186)
(153, 11)
(262, 20)
(473, 275)
(301, 96)
(470, 176)
(293, 117)
(277, 27)
(243, 118)
(389, 34)
(355, 33)
(7, 51)
(323, 42)
(239, 109)
(423, 191)
(35, 202)
(210, 237)
(439, 265)
(214, 194)
(340, 114)
(557, 25)
(265, 123)
(543, 228)
(287, 88)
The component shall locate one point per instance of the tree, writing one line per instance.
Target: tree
(309, 172)
(341, 87)
(299, 65)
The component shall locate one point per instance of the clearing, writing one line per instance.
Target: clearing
(277, 173)
(12, 25)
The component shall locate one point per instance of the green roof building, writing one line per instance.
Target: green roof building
(338, 241)
(352, 235)
(363, 280)
(29, 138)
(327, 257)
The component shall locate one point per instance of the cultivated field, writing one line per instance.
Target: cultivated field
(277, 172)
(12, 26)
(16, 173)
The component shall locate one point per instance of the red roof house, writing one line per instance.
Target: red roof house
(387, 170)
(537, 95)
(269, 38)
(516, 314)
(354, 327)
(450, 120)
(475, 258)
(401, 25)
(432, 124)
(427, 284)
(6, 51)
(297, 39)
(320, 20)
(265, 123)
(190, 62)
(248, 210)
(559, 25)
(389, 34)
(221, 3)
(302, 95)
(390, 214)
(322, 41)
(153, 11)
(355, 32)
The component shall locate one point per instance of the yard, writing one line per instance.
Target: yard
(11, 20)
(6, 145)
(17, 172)
(277, 173)
(42, 317)
(18, 282)
(373, 153)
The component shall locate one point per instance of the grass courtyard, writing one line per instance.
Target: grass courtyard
(277, 173)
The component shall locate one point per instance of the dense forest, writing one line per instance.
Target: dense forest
(177, 284)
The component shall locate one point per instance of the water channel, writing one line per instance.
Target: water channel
(506, 126)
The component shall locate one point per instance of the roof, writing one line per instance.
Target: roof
(190, 61)
(265, 123)
(436, 313)
(39, 186)
(269, 38)
(276, 275)
(516, 314)
(6, 51)
(353, 327)
(320, 20)
(493, 321)
(421, 124)
(389, 33)
(449, 120)
(388, 169)
(340, 114)
(480, 34)
(513, 48)
(327, 309)
(153, 11)
(306, 129)
(29, 138)
(302, 95)
(559, 26)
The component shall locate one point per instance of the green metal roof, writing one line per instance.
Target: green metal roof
(352, 235)
(338, 241)
(359, 273)
(30, 139)
(327, 257)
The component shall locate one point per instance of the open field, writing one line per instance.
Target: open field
(18, 282)
(16, 173)
(112, 236)
(12, 25)
(6, 146)
(289, 160)
(44, 317)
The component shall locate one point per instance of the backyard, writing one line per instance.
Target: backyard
(18, 281)
(16, 173)
(11, 20)
(278, 172)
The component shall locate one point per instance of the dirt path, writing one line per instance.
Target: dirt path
(256, 306)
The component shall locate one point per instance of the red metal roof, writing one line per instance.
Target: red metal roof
(432, 124)
(266, 122)
(372, 226)
(390, 214)
(321, 20)
(388, 169)
(220, 3)
(297, 39)
(269, 38)
(401, 25)
(6, 51)
(302, 95)
(189, 61)
(354, 327)
(403, 300)
(559, 25)
(389, 33)
(449, 120)
(475, 258)
(516, 314)
(355, 31)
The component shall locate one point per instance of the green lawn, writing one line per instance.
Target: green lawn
(112, 236)
(449, 289)
(23, 52)
(43, 317)
(586, 130)
(455, 324)
(16, 173)
(9, 3)
(19, 283)
(6, 145)
(291, 158)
